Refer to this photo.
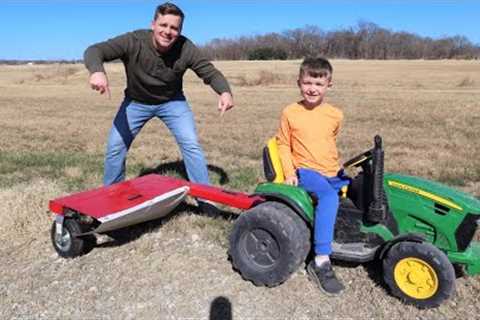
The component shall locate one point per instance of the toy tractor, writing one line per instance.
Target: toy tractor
(419, 229)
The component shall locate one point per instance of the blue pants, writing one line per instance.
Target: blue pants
(130, 119)
(326, 189)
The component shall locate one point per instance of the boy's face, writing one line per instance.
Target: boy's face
(313, 89)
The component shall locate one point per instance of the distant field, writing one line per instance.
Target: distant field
(54, 130)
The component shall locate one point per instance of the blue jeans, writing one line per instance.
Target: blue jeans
(132, 116)
(326, 190)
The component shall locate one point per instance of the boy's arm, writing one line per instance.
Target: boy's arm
(285, 149)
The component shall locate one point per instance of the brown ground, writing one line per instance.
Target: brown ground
(53, 134)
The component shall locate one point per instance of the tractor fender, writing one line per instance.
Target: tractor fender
(409, 237)
(276, 197)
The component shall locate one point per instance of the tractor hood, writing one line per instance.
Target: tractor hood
(434, 191)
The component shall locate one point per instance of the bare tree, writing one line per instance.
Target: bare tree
(367, 40)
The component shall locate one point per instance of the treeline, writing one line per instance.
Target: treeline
(19, 62)
(364, 41)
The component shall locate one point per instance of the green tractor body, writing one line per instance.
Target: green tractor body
(445, 217)
(438, 214)
(418, 228)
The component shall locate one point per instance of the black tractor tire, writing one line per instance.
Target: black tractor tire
(69, 245)
(419, 274)
(268, 243)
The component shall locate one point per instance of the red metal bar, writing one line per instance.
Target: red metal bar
(230, 198)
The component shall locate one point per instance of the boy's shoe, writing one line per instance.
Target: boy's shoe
(325, 278)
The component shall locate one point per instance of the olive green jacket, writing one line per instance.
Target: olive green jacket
(152, 77)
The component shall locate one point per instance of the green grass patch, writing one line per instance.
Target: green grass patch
(244, 179)
(216, 230)
(72, 168)
(137, 169)
(451, 180)
(460, 177)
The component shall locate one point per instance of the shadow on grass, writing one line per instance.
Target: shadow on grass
(220, 309)
(373, 268)
(375, 272)
(131, 233)
(177, 168)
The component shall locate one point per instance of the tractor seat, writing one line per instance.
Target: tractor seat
(272, 166)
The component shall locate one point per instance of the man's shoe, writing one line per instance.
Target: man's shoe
(325, 278)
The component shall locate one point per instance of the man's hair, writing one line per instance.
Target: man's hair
(316, 67)
(168, 8)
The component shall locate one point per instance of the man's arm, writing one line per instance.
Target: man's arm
(210, 75)
(97, 54)
(225, 102)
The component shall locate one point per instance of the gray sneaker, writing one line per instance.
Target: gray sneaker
(325, 278)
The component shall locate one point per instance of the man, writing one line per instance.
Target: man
(155, 61)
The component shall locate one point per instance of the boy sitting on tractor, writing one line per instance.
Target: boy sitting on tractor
(307, 147)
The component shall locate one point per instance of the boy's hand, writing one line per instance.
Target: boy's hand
(292, 180)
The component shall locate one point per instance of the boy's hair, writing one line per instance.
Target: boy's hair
(316, 67)
(168, 8)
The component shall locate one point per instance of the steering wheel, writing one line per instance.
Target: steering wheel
(359, 159)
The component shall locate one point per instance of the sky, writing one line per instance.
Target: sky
(55, 29)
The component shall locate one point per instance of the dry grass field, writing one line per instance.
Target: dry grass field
(54, 129)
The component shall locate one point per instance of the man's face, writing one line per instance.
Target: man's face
(166, 30)
(313, 89)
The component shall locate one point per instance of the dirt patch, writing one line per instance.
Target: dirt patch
(172, 272)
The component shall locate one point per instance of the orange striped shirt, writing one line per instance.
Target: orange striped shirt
(307, 138)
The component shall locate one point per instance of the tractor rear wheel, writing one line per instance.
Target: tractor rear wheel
(268, 243)
(419, 274)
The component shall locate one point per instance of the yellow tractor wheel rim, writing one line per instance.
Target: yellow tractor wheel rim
(416, 278)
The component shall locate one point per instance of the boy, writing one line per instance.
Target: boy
(307, 147)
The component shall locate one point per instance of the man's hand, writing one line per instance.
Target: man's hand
(99, 82)
(292, 180)
(225, 102)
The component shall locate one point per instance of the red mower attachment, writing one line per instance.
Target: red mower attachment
(80, 215)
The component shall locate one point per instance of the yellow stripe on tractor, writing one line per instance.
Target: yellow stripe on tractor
(424, 194)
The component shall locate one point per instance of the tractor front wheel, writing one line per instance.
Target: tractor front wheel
(268, 243)
(419, 274)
